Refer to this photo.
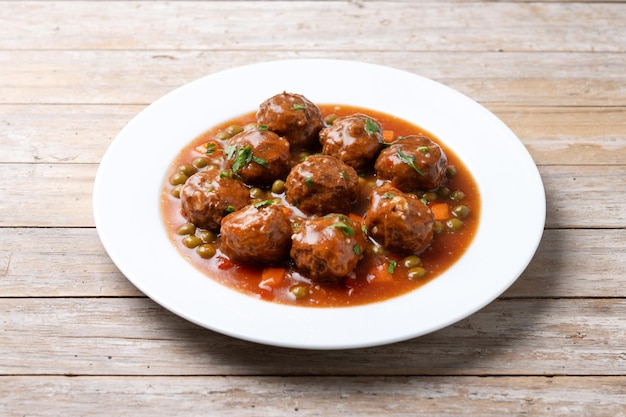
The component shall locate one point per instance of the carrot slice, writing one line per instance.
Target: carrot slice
(441, 211)
(380, 274)
(272, 277)
(388, 136)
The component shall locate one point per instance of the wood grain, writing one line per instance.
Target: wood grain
(95, 76)
(134, 336)
(314, 396)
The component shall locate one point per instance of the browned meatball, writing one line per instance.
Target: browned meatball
(208, 196)
(412, 163)
(399, 221)
(256, 234)
(322, 184)
(259, 157)
(328, 248)
(355, 139)
(292, 116)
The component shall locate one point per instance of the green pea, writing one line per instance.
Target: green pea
(430, 196)
(206, 236)
(457, 195)
(206, 250)
(200, 162)
(454, 224)
(451, 171)
(412, 261)
(256, 192)
(330, 119)
(187, 169)
(178, 178)
(223, 135)
(176, 191)
(438, 227)
(443, 192)
(191, 241)
(186, 229)
(299, 291)
(234, 129)
(416, 273)
(278, 187)
(461, 211)
(375, 249)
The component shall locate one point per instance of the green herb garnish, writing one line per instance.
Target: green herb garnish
(298, 106)
(392, 266)
(261, 127)
(308, 181)
(371, 126)
(424, 149)
(211, 148)
(230, 209)
(389, 195)
(357, 249)
(409, 160)
(345, 228)
(263, 203)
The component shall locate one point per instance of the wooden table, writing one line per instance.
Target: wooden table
(77, 339)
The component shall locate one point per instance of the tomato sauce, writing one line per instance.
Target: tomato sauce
(380, 275)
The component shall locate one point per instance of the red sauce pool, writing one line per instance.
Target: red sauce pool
(380, 275)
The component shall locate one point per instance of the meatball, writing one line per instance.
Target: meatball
(322, 184)
(208, 196)
(292, 116)
(399, 221)
(256, 234)
(259, 157)
(412, 163)
(328, 248)
(355, 139)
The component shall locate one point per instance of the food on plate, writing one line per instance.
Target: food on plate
(399, 221)
(208, 196)
(356, 140)
(412, 163)
(292, 116)
(322, 184)
(258, 157)
(319, 204)
(257, 234)
(328, 248)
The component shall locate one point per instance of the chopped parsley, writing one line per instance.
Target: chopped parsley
(371, 126)
(344, 227)
(389, 195)
(308, 181)
(357, 249)
(392, 266)
(211, 147)
(263, 203)
(409, 160)
(261, 127)
(298, 106)
(230, 209)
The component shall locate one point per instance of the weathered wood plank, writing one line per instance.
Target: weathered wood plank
(553, 135)
(134, 336)
(63, 196)
(52, 262)
(392, 26)
(313, 396)
(140, 77)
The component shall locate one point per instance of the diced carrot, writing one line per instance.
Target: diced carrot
(441, 211)
(380, 273)
(272, 277)
(388, 135)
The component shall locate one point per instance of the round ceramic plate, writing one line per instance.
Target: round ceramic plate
(128, 217)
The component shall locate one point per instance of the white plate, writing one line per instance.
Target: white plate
(128, 217)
